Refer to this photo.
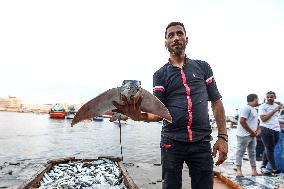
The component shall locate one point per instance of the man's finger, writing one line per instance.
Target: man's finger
(221, 159)
(218, 162)
(139, 101)
(136, 99)
(132, 100)
(124, 99)
(214, 152)
(117, 105)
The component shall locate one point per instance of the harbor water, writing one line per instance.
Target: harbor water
(28, 141)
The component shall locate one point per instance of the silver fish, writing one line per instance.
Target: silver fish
(99, 174)
(130, 89)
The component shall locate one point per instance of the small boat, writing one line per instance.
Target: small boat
(108, 114)
(82, 173)
(223, 182)
(57, 111)
(70, 114)
(98, 118)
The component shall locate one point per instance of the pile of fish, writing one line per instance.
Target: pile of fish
(98, 174)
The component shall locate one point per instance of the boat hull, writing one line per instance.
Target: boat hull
(98, 118)
(57, 115)
(70, 115)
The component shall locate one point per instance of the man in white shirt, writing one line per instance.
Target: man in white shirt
(246, 134)
(270, 128)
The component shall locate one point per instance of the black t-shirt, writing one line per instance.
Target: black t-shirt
(186, 92)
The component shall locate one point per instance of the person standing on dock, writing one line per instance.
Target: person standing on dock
(270, 128)
(185, 86)
(246, 134)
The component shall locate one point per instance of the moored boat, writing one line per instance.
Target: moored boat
(57, 111)
(70, 114)
(108, 114)
(104, 172)
(98, 118)
(65, 172)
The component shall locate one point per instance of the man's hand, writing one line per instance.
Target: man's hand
(266, 117)
(253, 134)
(130, 108)
(278, 108)
(258, 131)
(222, 146)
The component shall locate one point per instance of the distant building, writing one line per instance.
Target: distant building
(11, 103)
(36, 108)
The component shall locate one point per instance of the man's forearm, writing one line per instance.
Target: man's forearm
(282, 126)
(219, 114)
(245, 126)
(266, 117)
(147, 117)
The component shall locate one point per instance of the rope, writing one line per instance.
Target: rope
(119, 124)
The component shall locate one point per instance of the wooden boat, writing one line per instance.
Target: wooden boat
(222, 182)
(35, 180)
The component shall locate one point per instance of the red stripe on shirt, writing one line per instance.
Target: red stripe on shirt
(210, 80)
(189, 105)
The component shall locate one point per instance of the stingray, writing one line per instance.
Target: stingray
(130, 89)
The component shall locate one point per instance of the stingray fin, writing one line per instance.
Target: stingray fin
(97, 106)
(153, 105)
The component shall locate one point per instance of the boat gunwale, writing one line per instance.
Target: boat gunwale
(34, 181)
(227, 181)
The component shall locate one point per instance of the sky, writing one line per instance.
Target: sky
(71, 51)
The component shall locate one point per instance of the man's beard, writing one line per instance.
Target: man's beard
(177, 51)
(270, 101)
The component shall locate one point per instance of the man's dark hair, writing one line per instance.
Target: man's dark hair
(251, 97)
(175, 24)
(271, 93)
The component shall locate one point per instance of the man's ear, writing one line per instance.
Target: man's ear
(186, 41)
(166, 44)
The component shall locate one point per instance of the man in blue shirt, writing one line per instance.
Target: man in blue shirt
(185, 86)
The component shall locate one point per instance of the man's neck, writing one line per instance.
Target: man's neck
(177, 60)
(251, 104)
